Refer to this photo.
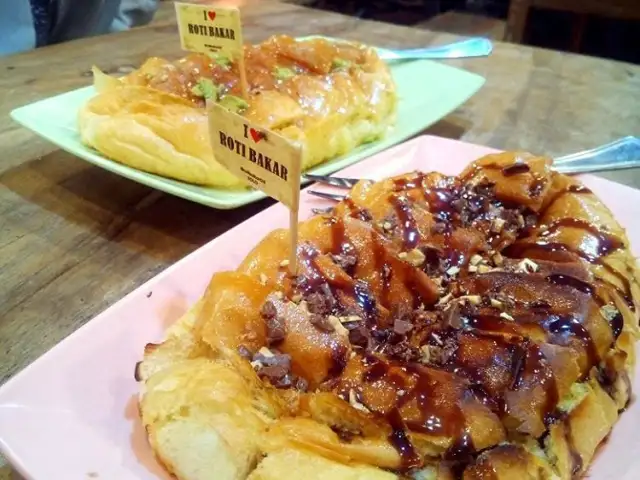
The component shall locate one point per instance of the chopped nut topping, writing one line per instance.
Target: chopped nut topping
(387, 226)
(263, 279)
(527, 266)
(475, 259)
(265, 352)
(426, 354)
(337, 325)
(473, 268)
(506, 316)
(296, 298)
(279, 295)
(498, 259)
(496, 303)
(284, 263)
(415, 257)
(453, 271)
(353, 401)
(484, 269)
(349, 318)
(446, 299)
(473, 299)
(609, 312)
(256, 364)
(497, 224)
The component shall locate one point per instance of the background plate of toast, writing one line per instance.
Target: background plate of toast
(427, 91)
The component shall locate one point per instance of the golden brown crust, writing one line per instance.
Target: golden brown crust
(482, 327)
(161, 127)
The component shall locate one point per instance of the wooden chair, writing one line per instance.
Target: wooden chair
(519, 13)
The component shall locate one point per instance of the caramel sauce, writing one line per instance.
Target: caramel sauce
(537, 186)
(438, 199)
(617, 324)
(365, 300)
(491, 323)
(436, 417)
(604, 245)
(403, 184)
(264, 65)
(314, 279)
(355, 211)
(580, 189)
(339, 242)
(338, 360)
(566, 326)
(382, 266)
(525, 362)
(398, 438)
(461, 452)
(440, 202)
(515, 169)
(517, 365)
(410, 233)
(577, 284)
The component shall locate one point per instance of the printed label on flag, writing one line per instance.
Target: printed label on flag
(209, 29)
(266, 160)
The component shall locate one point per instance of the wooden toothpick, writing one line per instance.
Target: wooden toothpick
(244, 85)
(293, 231)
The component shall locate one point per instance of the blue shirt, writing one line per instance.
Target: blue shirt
(26, 24)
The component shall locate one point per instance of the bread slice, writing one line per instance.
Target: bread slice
(479, 326)
(331, 97)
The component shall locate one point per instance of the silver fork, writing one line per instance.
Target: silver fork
(618, 155)
(471, 47)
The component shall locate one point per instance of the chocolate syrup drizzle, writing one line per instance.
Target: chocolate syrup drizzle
(525, 359)
(411, 235)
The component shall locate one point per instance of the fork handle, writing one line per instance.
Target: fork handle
(472, 47)
(617, 155)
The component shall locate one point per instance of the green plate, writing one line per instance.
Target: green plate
(427, 92)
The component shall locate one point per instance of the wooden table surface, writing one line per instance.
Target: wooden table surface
(75, 239)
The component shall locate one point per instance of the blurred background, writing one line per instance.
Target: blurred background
(603, 28)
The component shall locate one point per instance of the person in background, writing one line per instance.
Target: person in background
(28, 24)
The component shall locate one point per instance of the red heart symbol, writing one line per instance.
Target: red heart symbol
(212, 15)
(256, 135)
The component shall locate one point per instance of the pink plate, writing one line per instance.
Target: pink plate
(72, 414)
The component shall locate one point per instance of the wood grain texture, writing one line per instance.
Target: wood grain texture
(74, 239)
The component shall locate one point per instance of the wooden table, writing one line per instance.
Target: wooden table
(75, 239)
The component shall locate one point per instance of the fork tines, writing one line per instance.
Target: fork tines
(336, 197)
(339, 182)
